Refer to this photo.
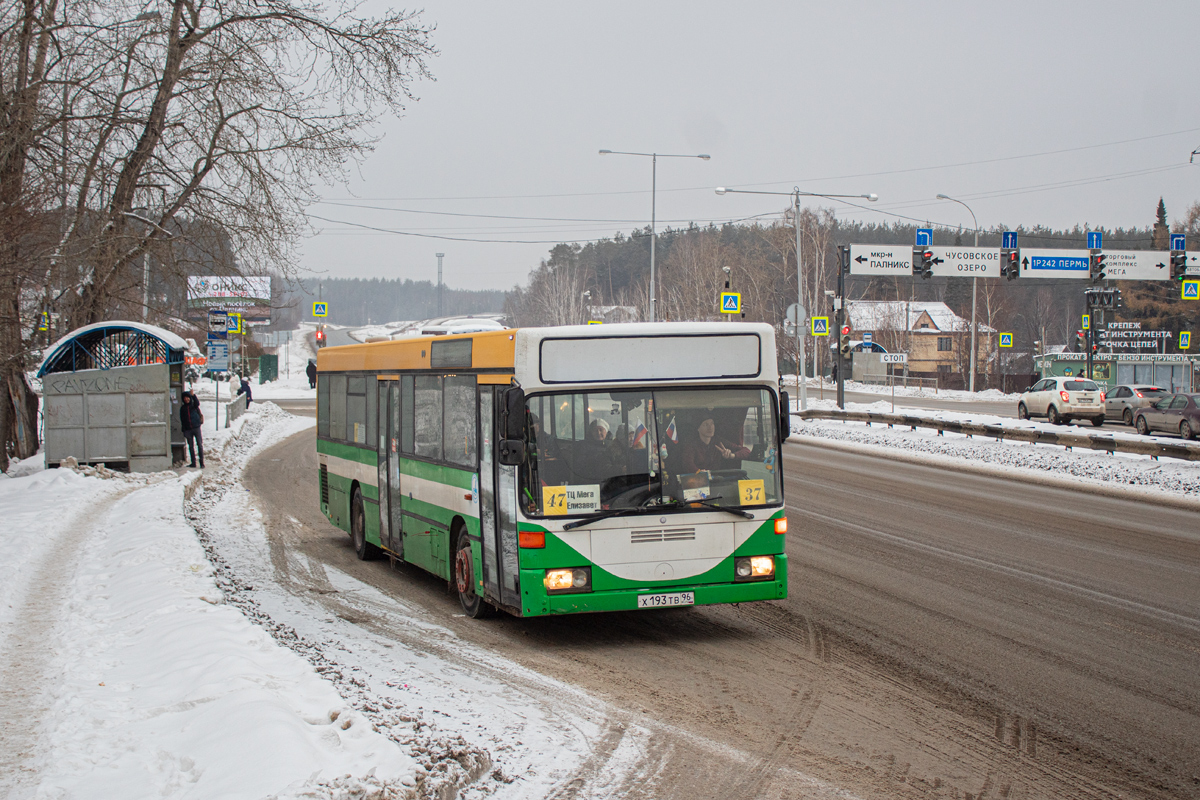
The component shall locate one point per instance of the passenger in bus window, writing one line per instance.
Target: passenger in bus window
(597, 457)
(705, 451)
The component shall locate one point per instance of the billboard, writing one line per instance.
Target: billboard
(249, 295)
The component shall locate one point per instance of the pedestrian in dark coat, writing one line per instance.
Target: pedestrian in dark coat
(245, 389)
(311, 371)
(192, 420)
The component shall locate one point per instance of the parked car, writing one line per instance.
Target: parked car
(1178, 413)
(1061, 400)
(1124, 400)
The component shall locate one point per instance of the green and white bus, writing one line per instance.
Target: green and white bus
(561, 470)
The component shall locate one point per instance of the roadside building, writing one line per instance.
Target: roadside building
(937, 340)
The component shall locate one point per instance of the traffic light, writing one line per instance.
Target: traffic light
(1105, 299)
(844, 341)
(1080, 341)
(1178, 265)
(320, 337)
(923, 262)
(1010, 264)
(1097, 267)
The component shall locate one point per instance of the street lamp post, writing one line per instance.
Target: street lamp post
(654, 157)
(796, 194)
(974, 282)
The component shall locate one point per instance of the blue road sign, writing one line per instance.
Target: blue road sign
(867, 337)
(1063, 261)
(1006, 340)
(731, 302)
(1095, 240)
(1191, 290)
(1009, 240)
(218, 356)
(1185, 340)
(820, 326)
(1179, 241)
(320, 309)
(218, 325)
(924, 237)
(1087, 322)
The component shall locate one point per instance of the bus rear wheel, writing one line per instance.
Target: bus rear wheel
(473, 605)
(358, 529)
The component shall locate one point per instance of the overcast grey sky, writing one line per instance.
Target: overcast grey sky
(1031, 112)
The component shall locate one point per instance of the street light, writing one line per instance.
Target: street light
(974, 281)
(653, 198)
(797, 194)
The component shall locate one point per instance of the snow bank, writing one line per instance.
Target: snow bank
(1155, 480)
(127, 676)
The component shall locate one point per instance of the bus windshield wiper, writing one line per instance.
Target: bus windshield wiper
(674, 505)
(708, 503)
(615, 512)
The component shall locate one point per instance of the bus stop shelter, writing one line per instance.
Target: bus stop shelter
(111, 396)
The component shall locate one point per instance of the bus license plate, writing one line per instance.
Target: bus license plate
(666, 600)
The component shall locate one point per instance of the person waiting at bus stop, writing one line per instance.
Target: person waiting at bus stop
(244, 389)
(706, 452)
(311, 372)
(192, 420)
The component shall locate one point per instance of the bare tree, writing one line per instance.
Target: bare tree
(201, 115)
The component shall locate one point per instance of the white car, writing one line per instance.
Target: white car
(1061, 400)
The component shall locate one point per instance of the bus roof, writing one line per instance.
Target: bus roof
(554, 357)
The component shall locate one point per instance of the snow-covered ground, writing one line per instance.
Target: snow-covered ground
(292, 383)
(147, 650)
(126, 674)
(985, 396)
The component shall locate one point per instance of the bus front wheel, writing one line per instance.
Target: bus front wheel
(358, 529)
(473, 605)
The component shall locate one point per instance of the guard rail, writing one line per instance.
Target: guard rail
(1088, 441)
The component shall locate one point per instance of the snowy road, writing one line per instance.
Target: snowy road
(916, 656)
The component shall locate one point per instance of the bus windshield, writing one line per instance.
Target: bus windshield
(594, 452)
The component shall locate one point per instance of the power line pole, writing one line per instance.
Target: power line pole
(439, 285)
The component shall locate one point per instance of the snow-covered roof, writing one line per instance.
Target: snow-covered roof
(891, 315)
(172, 340)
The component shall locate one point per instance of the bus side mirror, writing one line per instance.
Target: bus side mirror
(512, 452)
(514, 413)
(512, 443)
(785, 416)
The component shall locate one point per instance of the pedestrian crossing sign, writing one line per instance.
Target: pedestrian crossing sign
(44, 325)
(1191, 290)
(1087, 321)
(820, 326)
(731, 303)
(233, 322)
(1006, 340)
(320, 309)
(1185, 340)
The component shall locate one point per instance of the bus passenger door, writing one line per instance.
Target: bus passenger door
(384, 446)
(487, 491)
(395, 501)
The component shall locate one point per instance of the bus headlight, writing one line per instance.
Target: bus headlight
(754, 568)
(558, 581)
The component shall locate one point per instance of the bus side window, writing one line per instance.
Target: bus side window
(428, 416)
(406, 414)
(323, 405)
(459, 420)
(356, 409)
(337, 407)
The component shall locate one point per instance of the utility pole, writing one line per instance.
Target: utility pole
(439, 285)
(843, 267)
